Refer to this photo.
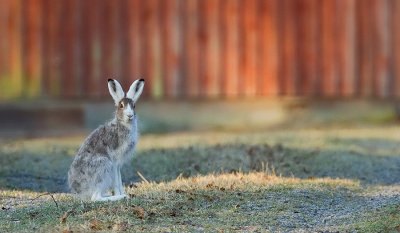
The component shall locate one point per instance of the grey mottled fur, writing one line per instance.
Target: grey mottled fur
(96, 167)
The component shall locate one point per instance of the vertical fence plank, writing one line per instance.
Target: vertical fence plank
(288, 69)
(109, 41)
(117, 43)
(4, 12)
(85, 30)
(81, 53)
(96, 48)
(171, 51)
(68, 32)
(382, 48)
(4, 49)
(89, 56)
(268, 56)
(106, 22)
(46, 41)
(229, 15)
(209, 48)
(53, 57)
(346, 47)
(308, 41)
(151, 48)
(329, 31)
(364, 48)
(190, 53)
(15, 49)
(124, 25)
(32, 47)
(135, 38)
(396, 45)
(60, 44)
(77, 49)
(248, 48)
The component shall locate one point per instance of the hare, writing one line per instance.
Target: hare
(96, 167)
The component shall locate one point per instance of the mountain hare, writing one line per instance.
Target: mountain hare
(96, 167)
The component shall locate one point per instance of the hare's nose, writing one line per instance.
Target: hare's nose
(130, 116)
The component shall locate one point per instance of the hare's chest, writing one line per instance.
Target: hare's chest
(124, 151)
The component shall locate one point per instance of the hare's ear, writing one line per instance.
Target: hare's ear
(135, 90)
(115, 90)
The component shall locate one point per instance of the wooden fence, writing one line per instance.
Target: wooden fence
(200, 48)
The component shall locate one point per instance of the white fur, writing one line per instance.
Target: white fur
(118, 94)
(132, 93)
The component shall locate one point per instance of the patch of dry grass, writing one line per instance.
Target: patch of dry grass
(248, 182)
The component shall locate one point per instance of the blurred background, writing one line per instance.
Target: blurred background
(245, 61)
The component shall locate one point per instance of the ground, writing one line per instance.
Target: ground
(324, 178)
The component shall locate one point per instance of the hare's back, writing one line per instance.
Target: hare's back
(100, 141)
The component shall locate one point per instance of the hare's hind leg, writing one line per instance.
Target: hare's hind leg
(107, 176)
(102, 179)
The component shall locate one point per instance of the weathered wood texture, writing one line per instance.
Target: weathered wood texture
(200, 48)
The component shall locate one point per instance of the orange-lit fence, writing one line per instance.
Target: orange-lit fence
(200, 48)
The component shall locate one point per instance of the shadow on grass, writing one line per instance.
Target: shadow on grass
(46, 169)
(167, 164)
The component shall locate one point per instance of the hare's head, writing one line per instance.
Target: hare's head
(125, 104)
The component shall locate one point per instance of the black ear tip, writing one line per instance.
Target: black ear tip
(109, 80)
(141, 80)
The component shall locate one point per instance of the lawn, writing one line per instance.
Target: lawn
(323, 179)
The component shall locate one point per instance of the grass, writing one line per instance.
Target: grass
(327, 179)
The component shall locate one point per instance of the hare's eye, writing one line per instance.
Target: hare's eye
(121, 105)
(134, 106)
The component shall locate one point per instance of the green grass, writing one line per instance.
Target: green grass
(327, 179)
(381, 220)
